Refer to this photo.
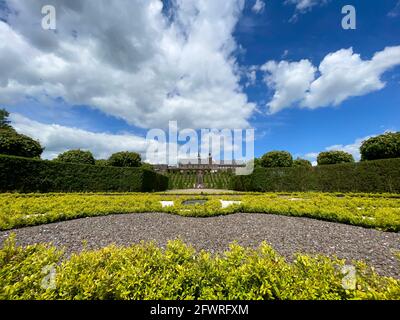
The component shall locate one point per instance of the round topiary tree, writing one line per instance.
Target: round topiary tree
(302, 163)
(257, 163)
(385, 146)
(14, 144)
(76, 156)
(334, 157)
(275, 159)
(125, 159)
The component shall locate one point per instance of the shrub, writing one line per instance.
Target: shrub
(275, 159)
(125, 159)
(101, 163)
(366, 176)
(302, 163)
(147, 166)
(381, 147)
(28, 175)
(147, 272)
(257, 163)
(15, 144)
(334, 157)
(378, 211)
(76, 156)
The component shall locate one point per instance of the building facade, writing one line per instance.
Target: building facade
(201, 165)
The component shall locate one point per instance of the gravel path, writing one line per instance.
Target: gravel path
(287, 235)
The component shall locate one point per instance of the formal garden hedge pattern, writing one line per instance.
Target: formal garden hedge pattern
(365, 176)
(371, 211)
(146, 271)
(31, 175)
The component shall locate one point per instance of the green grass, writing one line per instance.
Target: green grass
(367, 210)
(179, 272)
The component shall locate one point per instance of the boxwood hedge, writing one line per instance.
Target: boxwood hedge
(31, 175)
(365, 176)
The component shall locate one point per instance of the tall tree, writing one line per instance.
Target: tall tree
(4, 122)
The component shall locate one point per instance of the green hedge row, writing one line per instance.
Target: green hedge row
(31, 175)
(365, 176)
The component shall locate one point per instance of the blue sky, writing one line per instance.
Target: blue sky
(191, 63)
(312, 36)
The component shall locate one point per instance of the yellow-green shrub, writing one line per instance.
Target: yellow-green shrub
(147, 272)
(372, 211)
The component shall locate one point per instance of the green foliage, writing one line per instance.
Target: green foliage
(147, 166)
(125, 159)
(187, 180)
(367, 210)
(334, 157)
(367, 176)
(257, 163)
(4, 122)
(29, 175)
(381, 147)
(15, 144)
(302, 163)
(76, 156)
(179, 272)
(101, 163)
(276, 159)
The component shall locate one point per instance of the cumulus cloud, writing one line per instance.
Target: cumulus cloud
(352, 148)
(258, 7)
(128, 59)
(289, 80)
(57, 139)
(342, 74)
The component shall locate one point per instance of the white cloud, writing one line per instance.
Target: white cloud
(304, 5)
(290, 80)
(259, 6)
(129, 60)
(57, 139)
(352, 148)
(342, 74)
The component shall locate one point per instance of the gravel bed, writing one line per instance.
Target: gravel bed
(287, 235)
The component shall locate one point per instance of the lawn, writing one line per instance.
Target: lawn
(379, 211)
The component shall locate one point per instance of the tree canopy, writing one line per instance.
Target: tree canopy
(125, 159)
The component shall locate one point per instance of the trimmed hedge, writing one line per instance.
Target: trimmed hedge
(366, 176)
(30, 175)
